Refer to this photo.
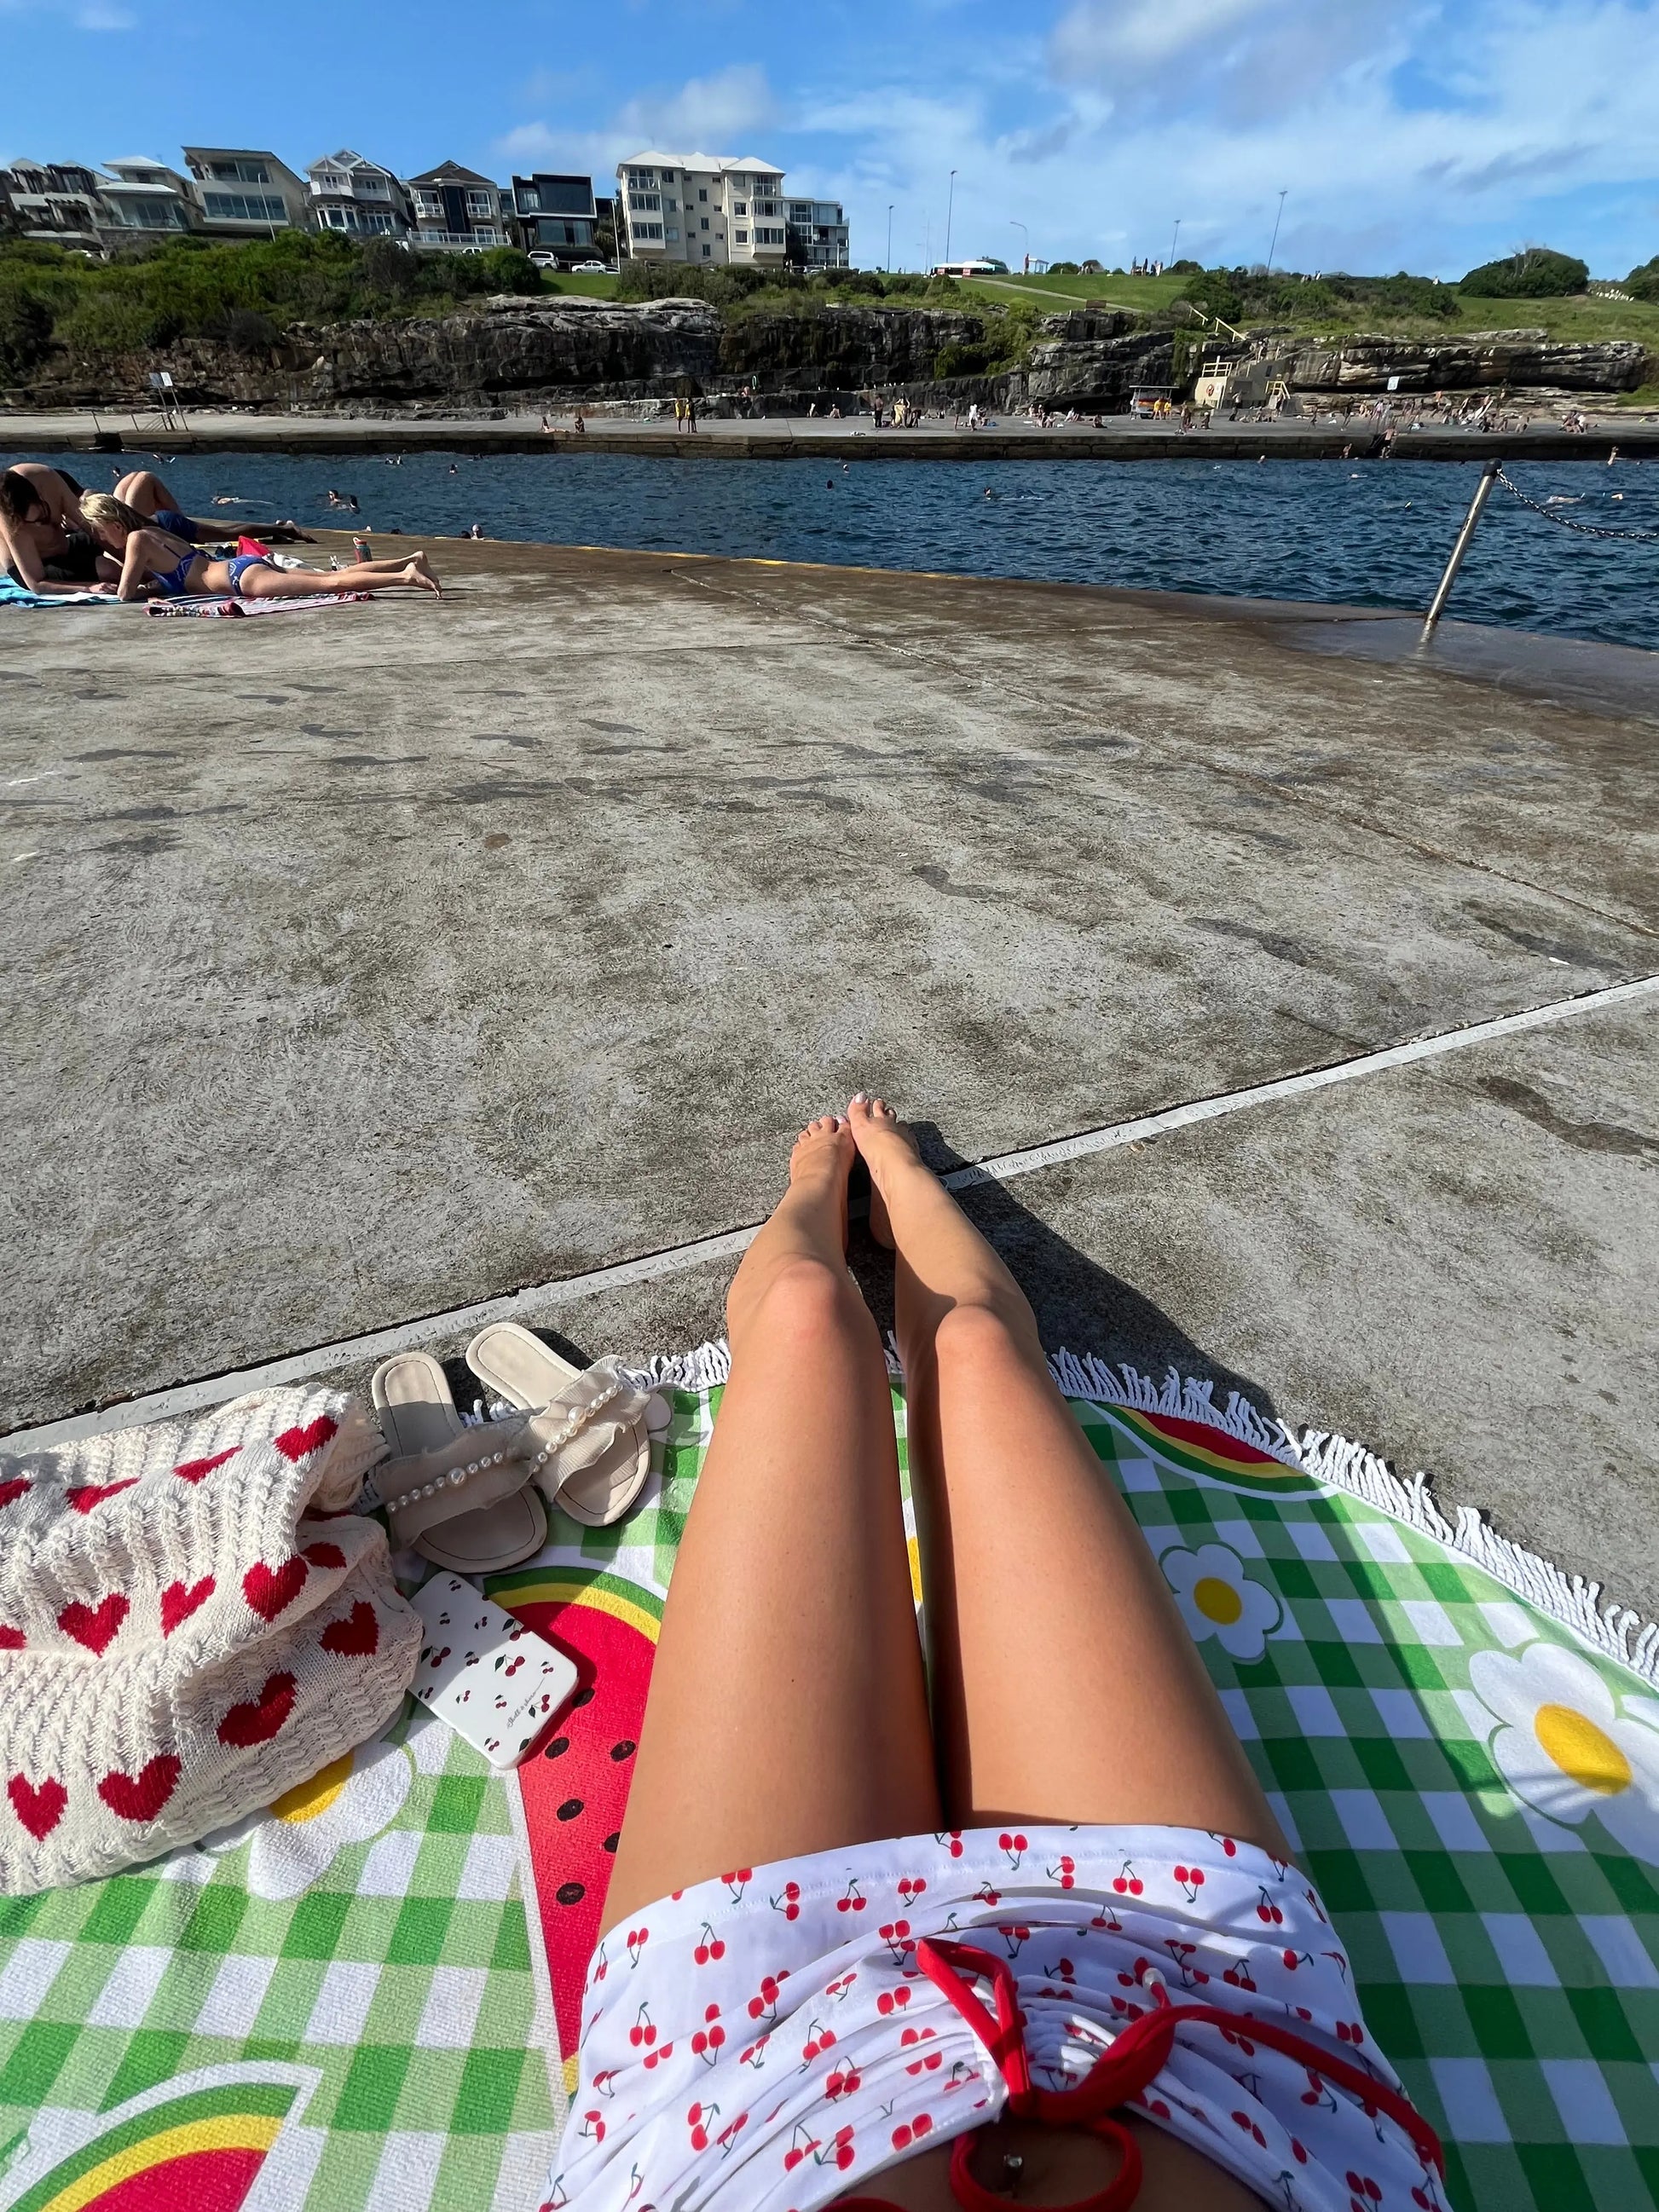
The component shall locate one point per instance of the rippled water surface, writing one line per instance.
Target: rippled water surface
(1372, 534)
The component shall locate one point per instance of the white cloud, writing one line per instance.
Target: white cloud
(716, 114)
(97, 16)
(1427, 137)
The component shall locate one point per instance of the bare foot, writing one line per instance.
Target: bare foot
(819, 1164)
(422, 578)
(888, 1147)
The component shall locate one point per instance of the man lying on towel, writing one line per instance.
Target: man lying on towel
(148, 495)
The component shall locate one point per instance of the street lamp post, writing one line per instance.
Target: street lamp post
(1278, 219)
(889, 238)
(1172, 242)
(950, 210)
(1014, 223)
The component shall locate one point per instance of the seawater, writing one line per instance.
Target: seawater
(1368, 534)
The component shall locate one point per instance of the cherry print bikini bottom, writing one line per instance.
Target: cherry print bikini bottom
(775, 2038)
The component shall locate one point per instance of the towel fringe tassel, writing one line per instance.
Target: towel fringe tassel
(1614, 1630)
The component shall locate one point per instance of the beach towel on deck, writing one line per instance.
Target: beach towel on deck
(1472, 1786)
(234, 606)
(14, 594)
(347, 1995)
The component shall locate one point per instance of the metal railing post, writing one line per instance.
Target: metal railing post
(1482, 494)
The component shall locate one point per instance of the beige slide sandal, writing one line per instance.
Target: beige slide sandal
(592, 1451)
(462, 1497)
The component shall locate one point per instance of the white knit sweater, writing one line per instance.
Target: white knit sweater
(191, 1623)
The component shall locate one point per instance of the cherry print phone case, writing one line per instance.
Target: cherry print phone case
(495, 1682)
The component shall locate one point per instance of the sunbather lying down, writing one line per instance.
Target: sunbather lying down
(183, 571)
(145, 493)
(862, 1955)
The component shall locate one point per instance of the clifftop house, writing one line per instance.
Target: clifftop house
(702, 207)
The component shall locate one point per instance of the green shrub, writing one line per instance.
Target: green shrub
(1643, 283)
(1064, 269)
(1536, 273)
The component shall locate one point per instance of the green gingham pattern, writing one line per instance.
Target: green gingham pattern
(1507, 1964)
(397, 1991)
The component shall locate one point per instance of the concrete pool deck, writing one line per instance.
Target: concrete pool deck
(369, 966)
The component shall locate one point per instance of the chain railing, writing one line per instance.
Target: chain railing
(1566, 522)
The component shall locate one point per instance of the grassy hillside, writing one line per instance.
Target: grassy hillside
(1579, 317)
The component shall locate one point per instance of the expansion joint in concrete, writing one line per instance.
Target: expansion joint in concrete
(538, 1301)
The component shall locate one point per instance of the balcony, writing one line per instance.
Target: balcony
(457, 241)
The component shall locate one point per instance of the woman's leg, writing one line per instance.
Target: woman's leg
(788, 1710)
(270, 583)
(1066, 1687)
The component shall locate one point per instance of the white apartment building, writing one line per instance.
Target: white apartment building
(705, 208)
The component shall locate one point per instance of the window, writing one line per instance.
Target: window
(765, 207)
(486, 234)
(244, 207)
(428, 203)
(668, 176)
(741, 236)
(767, 237)
(705, 225)
(432, 238)
(672, 232)
(738, 208)
(702, 194)
(240, 173)
(671, 205)
(481, 202)
(707, 251)
(642, 177)
(645, 202)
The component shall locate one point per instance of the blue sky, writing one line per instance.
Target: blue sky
(1428, 134)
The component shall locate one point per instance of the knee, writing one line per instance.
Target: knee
(981, 1335)
(803, 1299)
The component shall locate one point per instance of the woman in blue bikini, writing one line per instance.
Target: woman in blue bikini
(152, 556)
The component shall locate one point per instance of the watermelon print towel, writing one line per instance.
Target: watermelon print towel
(365, 1997)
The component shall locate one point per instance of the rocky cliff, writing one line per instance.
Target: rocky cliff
(532, 354)
(1518, 359)
(1094, 360)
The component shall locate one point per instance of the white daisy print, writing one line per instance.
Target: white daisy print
(1217, 1598)
(1568, 1748)
(296, 1839)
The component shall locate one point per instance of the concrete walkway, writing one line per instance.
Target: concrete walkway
(367, 966)
(779, 436)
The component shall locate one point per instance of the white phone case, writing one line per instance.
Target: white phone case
(495, 1681)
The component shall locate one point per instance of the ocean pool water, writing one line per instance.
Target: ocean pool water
(1364, 534)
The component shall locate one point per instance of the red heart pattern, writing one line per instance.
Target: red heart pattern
(296, 1443)
(270, 1594)
(356, 1636)
(86, 1495)
(258, 1722)
(140, 1797)
(11, 1639)
(193, 1469)
(178, 1602)
(326, 1555)
(9, 1491)
(39, 1805)
(94, 1627)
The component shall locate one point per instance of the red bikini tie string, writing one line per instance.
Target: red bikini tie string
(1136, 2056)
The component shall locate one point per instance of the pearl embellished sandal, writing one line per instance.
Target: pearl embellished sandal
(592, 1450)
(462, 1497)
